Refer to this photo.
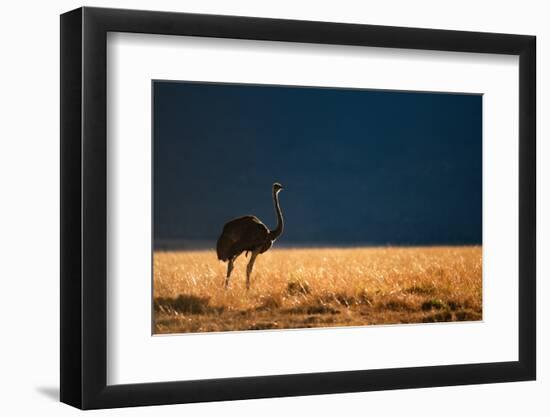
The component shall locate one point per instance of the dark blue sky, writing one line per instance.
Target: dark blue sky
(358, 166)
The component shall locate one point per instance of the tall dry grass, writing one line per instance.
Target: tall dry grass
(296, 288)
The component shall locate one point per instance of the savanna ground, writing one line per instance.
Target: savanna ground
(301, 288)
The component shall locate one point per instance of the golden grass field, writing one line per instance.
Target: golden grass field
(301, 288)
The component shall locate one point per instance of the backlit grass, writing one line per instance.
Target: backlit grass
(300, 288)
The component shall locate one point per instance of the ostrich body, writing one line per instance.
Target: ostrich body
(248, 234)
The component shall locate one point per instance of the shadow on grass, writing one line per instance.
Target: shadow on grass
(185, 304)
(311, 308)
(421, 289)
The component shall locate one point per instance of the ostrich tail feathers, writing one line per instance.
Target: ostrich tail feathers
(223, 248)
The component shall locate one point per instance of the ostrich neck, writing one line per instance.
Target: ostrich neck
(274, 234)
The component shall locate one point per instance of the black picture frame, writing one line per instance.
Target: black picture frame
(84, 207)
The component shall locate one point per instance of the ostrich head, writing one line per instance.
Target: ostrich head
(277, 187)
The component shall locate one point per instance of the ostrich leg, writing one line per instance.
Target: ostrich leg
(249, 268)
(229, 269)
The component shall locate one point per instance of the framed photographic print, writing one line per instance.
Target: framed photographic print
(258, 207)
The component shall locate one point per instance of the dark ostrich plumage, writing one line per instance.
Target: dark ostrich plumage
(248, 234)
(245, 233)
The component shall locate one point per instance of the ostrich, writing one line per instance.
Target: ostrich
(248, 234)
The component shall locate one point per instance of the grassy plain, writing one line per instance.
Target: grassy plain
(302, 288)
